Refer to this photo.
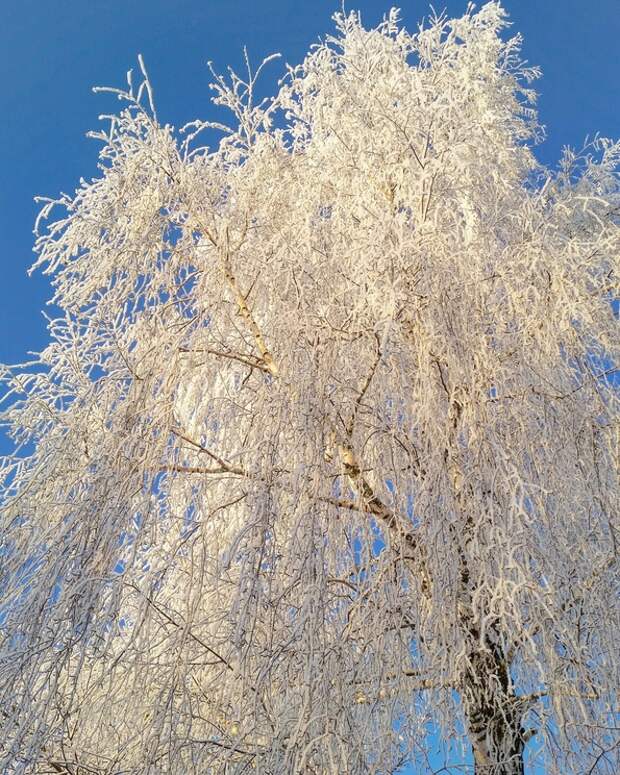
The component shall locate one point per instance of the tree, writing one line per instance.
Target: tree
(320, 464)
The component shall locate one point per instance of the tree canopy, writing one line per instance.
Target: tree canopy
(318, 471)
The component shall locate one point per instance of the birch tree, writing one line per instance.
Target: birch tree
(318, 471)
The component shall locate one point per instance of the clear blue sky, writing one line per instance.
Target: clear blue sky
(53, 52)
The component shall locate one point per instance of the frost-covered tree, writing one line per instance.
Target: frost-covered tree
(319, 469)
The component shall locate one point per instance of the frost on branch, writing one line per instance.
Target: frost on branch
(322, 454)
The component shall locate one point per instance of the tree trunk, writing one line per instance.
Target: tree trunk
(498, 745)
(493, 715)
(492, 710)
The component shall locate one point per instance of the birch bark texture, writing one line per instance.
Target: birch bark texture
(319, 470)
